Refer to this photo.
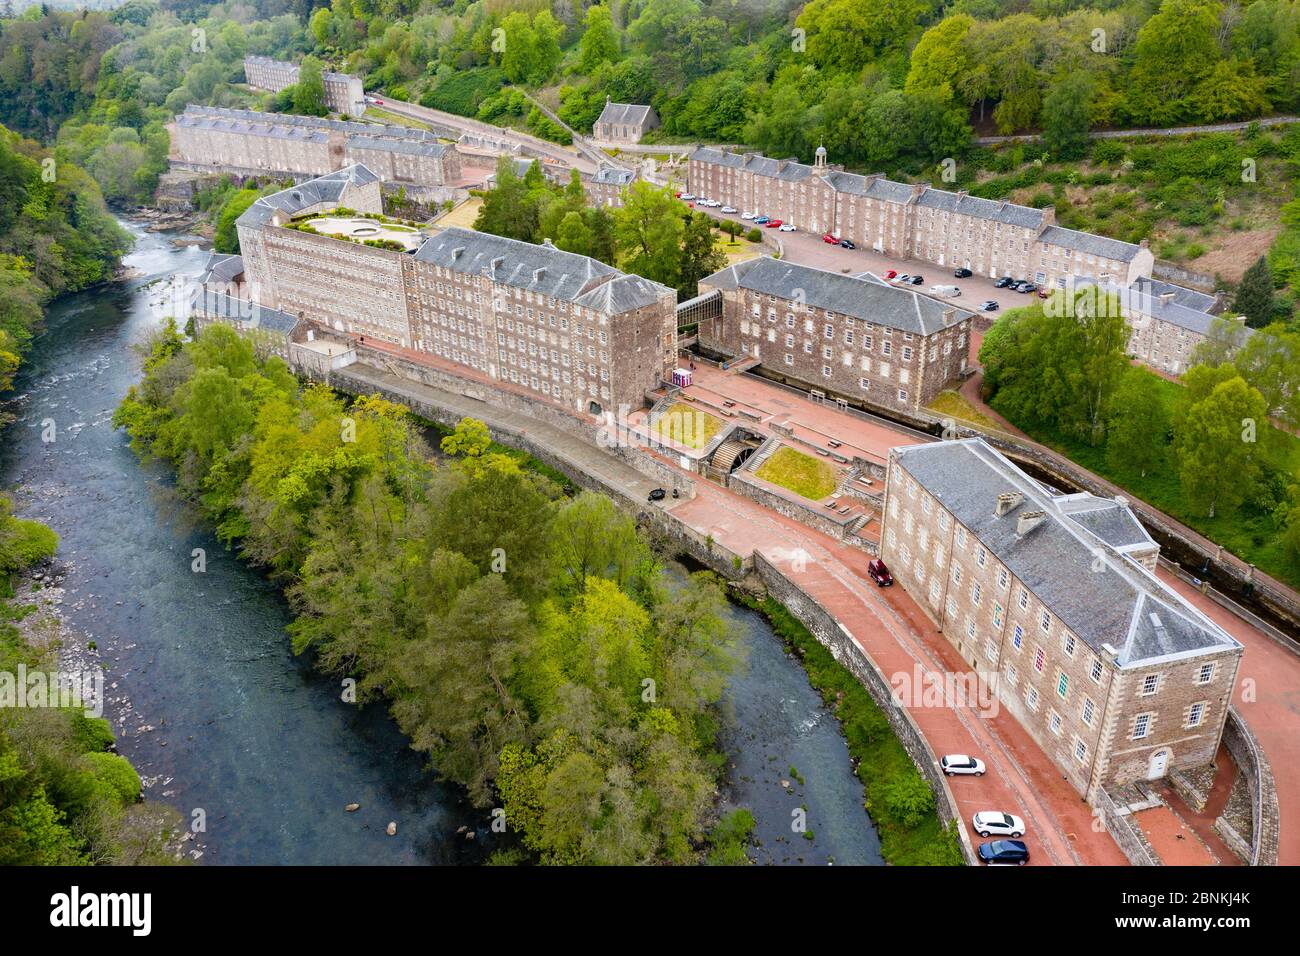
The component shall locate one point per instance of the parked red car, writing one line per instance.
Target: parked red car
(891, 274)
(772, 223)
(879, 573)
(831, 240)
(1044, 292)
(678, 194)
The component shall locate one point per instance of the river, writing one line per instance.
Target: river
(217, 714)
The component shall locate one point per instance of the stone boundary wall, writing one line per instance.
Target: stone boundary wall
(743, 485)
(1127, 835)
(831, 634)
(1188, 277)
(1250, 759)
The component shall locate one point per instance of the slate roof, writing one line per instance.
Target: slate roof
(195, 114)
(625, 114)
(1089, 243)
(1188, 298)
(614, 176)
(1139, 299)
(397, 146)
(244, 311)
(993, 210)
(863, 298)
(221, 268)
(323, 189)
(542, 269)
(1122, 605)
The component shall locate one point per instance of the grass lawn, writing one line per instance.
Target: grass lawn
(954, 405)
(740, 251)
(1249, 535)
(688, 425)
(392, 119)
(800, 473)
(463, 215)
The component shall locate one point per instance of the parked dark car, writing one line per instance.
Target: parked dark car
(990, 306)
(918, 280)
(1004, 282)
(962, 273)
(1005, 852)
(847, 244)
(879, 573)
(656, 495)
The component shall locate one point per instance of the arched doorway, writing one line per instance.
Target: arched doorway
(1157, 765)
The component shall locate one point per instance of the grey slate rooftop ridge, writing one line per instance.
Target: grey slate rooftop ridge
(1122, 606)
(1141, 299)
(614, 176)
(1089, 243)
(990, 209)
(628, 113)
(397, 146)
(218, 117)
(867, 299)
(221, 268)
(541, 269)
(249, 313)
(323, 189)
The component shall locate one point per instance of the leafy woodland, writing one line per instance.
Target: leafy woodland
(1217, 450)
(585, 711)
(55, 237)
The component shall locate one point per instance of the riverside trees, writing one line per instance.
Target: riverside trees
(527, 642)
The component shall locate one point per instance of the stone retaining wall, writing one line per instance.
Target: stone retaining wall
(1126, 834)
(831, 634)
(1250, 759)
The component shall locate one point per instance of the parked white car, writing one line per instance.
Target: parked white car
(951, 291)
(960, 764)
(748, 215)
(687, 197)
(729, 209)
(996, 823)
(785, 227)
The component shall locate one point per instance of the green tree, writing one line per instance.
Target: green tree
(1254, 296)
(1067, 115)
(1137, 431)
(309, 91)
(226, 238)
(599, 43)
(700, 254)
(1218, 447)
(648, 233)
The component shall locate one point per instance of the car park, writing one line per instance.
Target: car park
(847, 244)
(1004, 853)
(729, 209)
(879, 573)
(773, 223)
(1004, 283)
(961, 765)
(831, 240)
(989, 823)
(990, 305)
(962, 273)
(785, 227)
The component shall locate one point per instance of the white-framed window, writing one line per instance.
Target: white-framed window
(1054, 721)
(1062, 685)
(1018, 637)
(1150, 684)
(1012, 677)
(1088, 711)
(1080, 750)
(1039, 659)
(1069, 644)
(1045, 622)
(1031, 698)
(1141, 726)
(1095, 671)
(1205, 674)
(976, 593)
(1196, 714)
(980, 557)
(1023, 600)
(1003, 577)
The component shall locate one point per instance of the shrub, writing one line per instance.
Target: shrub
(908, 798)
(117, 773)
(754, 235)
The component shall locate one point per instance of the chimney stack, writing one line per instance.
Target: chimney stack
(1008, 502)
(1028, 521)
